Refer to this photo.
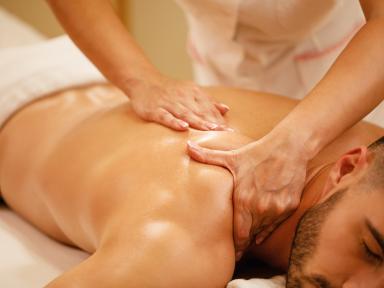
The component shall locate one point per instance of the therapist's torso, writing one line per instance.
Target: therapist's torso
(277, 46)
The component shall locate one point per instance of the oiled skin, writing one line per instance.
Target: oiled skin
(84, 169)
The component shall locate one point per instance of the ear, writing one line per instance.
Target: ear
(350, 164)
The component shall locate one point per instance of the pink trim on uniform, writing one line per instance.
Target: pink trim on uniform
(317, 54)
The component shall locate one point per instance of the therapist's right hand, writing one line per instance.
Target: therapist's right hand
(176, 104)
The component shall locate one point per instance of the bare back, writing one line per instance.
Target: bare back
(83, 168)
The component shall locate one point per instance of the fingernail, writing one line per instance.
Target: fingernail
(184, 124)
(225, 106)
(229, 129)
(212, 126)
(192, 144)
(259, 241)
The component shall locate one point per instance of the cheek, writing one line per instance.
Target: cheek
(337, 252)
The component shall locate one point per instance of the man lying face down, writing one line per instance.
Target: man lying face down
(81, 167)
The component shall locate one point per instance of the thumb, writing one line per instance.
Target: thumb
(208, 156)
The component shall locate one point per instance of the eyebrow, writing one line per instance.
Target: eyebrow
(376, 234)
(319, 281)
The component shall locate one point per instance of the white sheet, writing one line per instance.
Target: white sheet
(275, 282)
(28, 257)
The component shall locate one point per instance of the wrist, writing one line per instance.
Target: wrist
(145, 78)
(300, 141)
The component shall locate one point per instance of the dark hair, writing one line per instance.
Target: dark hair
(375, 175)
(378, 143)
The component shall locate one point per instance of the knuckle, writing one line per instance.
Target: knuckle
(192, 84)
(183, 114)
(281, 207)
(197, 89)
(261, 208)
(161, 118)
(147, 115)
(280, 210)
(294, 203)
(232, 158)
(161, 115)
(201, 123)
(245, 201)
(212, 108)
(241, 238)
(218, 115)
(214, 113)
(173, 120)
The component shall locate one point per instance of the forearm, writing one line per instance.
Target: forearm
(99, 33)
(350, 90)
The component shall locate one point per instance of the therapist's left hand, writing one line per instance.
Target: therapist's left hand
(269, 177)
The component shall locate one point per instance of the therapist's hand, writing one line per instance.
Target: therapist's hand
(154, 97)
(269, 176)
(176, 104)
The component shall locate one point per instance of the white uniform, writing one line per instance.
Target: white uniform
(277, 46)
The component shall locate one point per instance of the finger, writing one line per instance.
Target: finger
(222, 108)
(259, 225)
(268, 228)
(207, 109)
(197, 122)
(242, 227)
(260, 238)
(187, 115)
(208, 156)
(165, 118)
(212, 114)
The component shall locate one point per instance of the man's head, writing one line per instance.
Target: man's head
(339, 242)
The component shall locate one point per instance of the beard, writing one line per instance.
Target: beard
(306, 237)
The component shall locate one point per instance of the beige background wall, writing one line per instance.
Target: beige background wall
(158, 25)
(36, 13)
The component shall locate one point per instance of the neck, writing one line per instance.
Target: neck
(276, 249)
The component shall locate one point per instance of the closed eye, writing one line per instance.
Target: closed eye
(379, 238)
(372, 257)
(318, 281)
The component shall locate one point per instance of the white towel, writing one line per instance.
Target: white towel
(30, 72)
(275, 282)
